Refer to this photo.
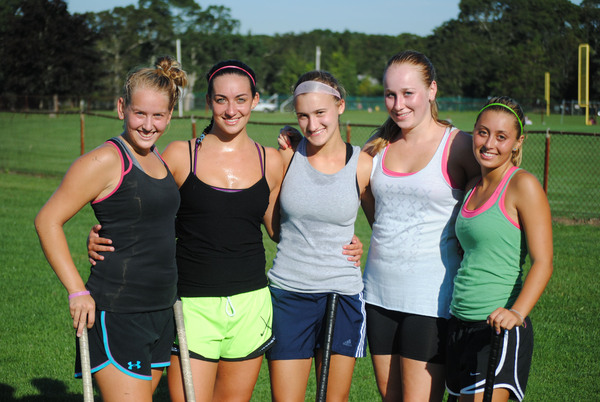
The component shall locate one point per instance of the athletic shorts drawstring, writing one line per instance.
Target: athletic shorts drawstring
(229, 309)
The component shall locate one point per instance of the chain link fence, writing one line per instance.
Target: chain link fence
(566, 163)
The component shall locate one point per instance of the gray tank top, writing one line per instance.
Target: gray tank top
(318, 212)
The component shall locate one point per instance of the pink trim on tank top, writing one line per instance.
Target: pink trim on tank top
(444, 166)
(123, 172)
(470, 213)
(391, 172)
(445, 163)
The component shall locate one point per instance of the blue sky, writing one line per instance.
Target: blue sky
(387, 17)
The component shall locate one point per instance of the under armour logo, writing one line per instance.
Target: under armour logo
(137, 365)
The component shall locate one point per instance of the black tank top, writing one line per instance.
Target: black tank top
(140, 275)
(219, 239)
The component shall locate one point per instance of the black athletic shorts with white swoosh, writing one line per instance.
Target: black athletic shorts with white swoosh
(468, 352)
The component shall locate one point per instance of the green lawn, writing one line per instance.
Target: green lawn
(36, 342)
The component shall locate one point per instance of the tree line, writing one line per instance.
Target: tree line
(492, 47)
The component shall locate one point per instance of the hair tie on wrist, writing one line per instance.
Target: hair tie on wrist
(520, 316)
(82, 293)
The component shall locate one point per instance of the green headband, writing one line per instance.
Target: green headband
(504, 106)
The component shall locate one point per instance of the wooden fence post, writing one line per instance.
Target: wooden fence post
(547, 161)
(82, 132)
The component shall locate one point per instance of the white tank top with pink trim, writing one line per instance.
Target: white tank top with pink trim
(413, 255)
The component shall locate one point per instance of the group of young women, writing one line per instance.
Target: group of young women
(420, 303)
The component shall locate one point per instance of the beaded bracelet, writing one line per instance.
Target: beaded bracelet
(82, 293)
(520, 316)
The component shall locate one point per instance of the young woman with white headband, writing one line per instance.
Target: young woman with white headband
(320, 196)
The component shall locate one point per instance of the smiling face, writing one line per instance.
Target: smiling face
(495, 136)
(146, 118)
(407, 97)
(318, 116)
(231, 103)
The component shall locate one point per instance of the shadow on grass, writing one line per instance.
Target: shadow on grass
(51, 390)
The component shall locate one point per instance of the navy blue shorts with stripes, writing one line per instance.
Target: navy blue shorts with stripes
(299, 325)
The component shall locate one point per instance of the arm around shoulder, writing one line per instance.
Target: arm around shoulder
(363, 170)
(462, 162)
(274, 173)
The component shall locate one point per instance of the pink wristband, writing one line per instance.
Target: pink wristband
(82, 293)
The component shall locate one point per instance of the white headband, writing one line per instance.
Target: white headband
(316, 86)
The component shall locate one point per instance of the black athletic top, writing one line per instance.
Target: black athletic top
(138, 216)
(219, 240)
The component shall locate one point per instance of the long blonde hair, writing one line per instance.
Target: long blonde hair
(389, 129)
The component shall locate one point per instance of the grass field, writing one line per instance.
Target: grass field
(36, 342)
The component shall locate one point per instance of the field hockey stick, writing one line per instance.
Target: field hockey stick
(490, 376)
(184, 353)
(86, 368)
(332, 302)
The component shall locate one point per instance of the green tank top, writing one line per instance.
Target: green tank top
(490, 274)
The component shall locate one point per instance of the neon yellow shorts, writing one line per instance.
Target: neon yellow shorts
(229, 328)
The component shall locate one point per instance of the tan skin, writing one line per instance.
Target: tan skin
(227, 158)
(318, 117)
(495, 136)
(400, 378)
(408, 101)
(92, 177)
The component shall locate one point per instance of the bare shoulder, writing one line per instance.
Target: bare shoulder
(176, 149)
(363, 170)
(274, 163)
(525, 192)
(176, 152)
(100, 157)
(525, 183)
(365, 162)
(273, 157)
(461, 162)
(92, 175)
(461, 141)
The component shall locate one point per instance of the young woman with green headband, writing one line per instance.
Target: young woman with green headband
(504, 217)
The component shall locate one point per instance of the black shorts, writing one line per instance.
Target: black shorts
(411, 336)
(135, 343)
(468, 354)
